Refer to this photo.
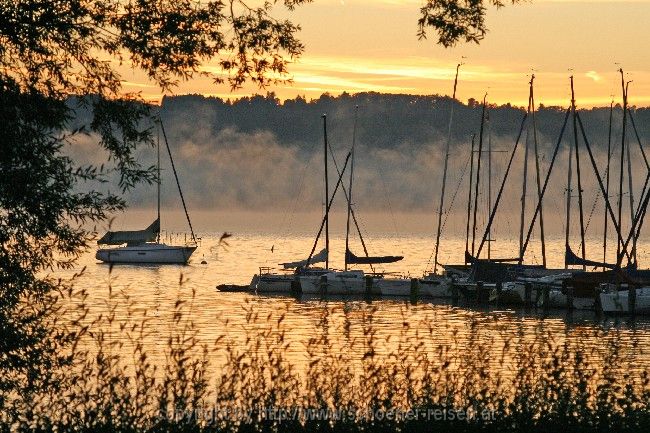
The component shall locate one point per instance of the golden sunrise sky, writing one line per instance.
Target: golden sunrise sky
(371, 45)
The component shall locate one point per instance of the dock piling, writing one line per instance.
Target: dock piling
(528, 289)
(631, 299)
(415, 290)
(323, 285)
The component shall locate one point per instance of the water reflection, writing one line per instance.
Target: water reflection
(135, 293)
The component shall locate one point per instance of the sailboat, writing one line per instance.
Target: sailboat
(612, 286)
(434, 284)
(354, 282)
(270, 281)
(144, 246)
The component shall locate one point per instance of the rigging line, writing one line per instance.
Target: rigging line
(291, 211)
(469, 199)
(636, 133)
(453, 198)
(617, 227)
(347, 228)
(596, 200)
(503, 184)
(158, 180)
(478, 174)
(451, 205)
(548, 176)
(354, 215)
(390, 207)
(329, 205)
(638, 139)
(180, 192)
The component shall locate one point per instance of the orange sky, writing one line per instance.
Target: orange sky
(371, 45)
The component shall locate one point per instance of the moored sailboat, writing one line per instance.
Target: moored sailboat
(438, 285)
(354, 282)
(144, 246)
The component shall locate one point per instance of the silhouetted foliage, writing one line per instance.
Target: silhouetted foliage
(53, 50)
(385, 120)
(454, 20)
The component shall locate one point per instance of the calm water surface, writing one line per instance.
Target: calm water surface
(151, 291)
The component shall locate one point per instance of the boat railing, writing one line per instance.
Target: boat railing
(176, 237)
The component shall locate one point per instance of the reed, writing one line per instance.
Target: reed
(358, 381)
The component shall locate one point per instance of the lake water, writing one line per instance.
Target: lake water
(152, 291)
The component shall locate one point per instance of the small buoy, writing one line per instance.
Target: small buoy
(203, 262)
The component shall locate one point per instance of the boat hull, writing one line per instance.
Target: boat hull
(348, 283)
(146, 254)
(613, 302)
(273, 283)
(392, 286)
(557, 299)
(512, 293)
(310, 284)
(338, 283)
(435, 286)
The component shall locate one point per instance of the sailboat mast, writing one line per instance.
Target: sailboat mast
(568, 204)
(524, 187)
(489, 203)
(609, 158)
(158, 183)
(629, 180)
(347, 229)
(580, 208)
(478, 172)
(178, 183)
(444, 171)
(620, 182)
(469, 196)
(327, 194)
(537, 171)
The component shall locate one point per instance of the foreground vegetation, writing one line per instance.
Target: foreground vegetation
(347, 378)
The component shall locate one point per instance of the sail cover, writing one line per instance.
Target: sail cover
(471, 259)
(132, 237)
(318, 258)
(570, 258)
(354, 260)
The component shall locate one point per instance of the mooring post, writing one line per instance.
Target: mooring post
(499, 291)
(631, 299)
(480, 289)
(568, 291)
(323, 285)
(368, 284)
(546, 296)
(454, 292)
(295, 285)
(415, 290)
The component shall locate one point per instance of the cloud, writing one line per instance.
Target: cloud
(593, 75)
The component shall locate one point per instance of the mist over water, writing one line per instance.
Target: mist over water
(262, 159)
